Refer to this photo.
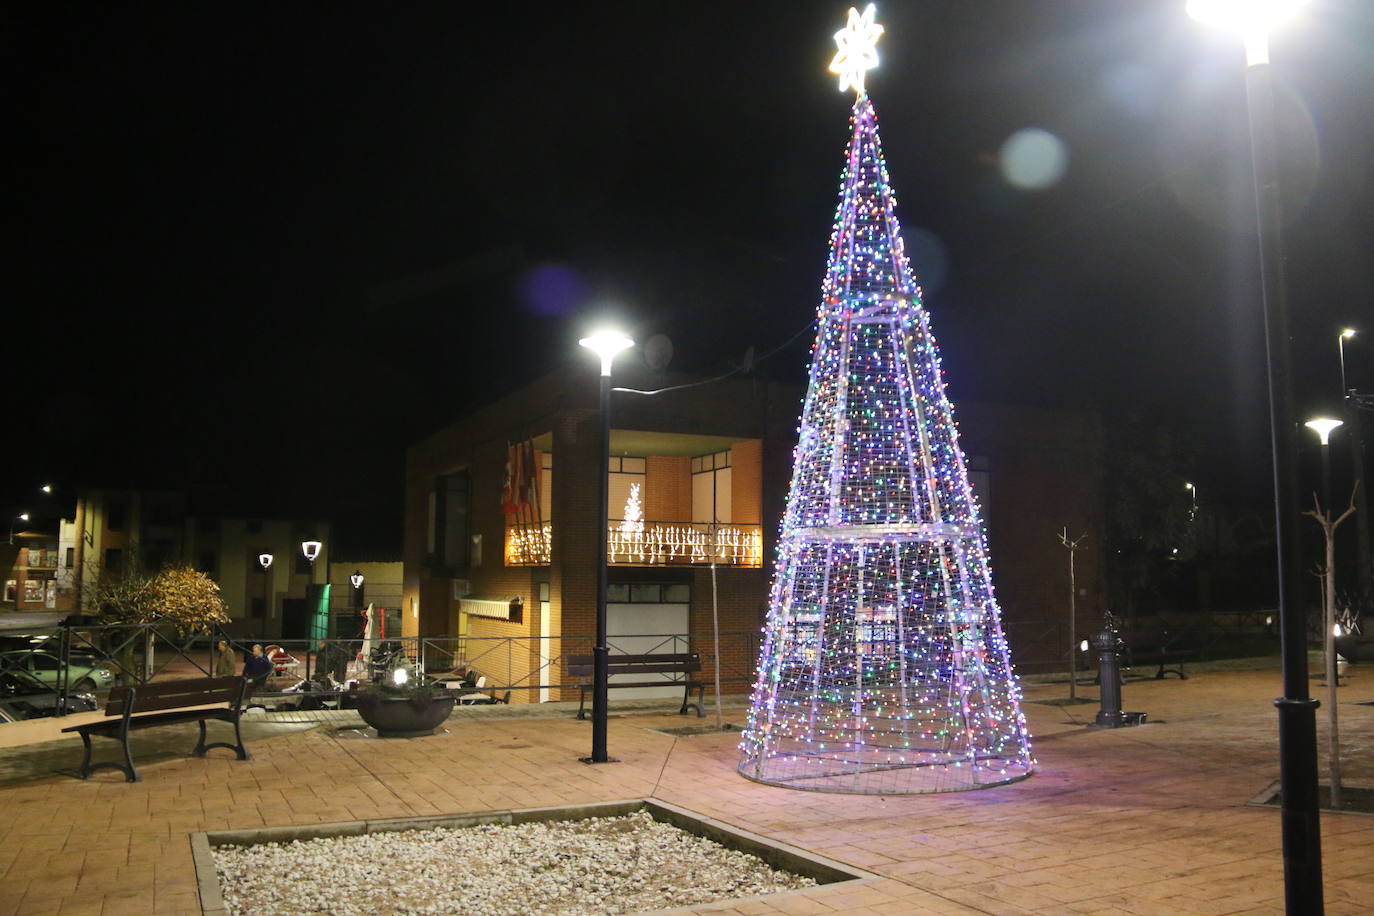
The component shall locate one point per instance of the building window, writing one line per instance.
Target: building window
(114, 559)
(156, 555)
(648, 593)
(70, 560)
(160, 513)
(449, 537)
(114, 515)
(711, 478)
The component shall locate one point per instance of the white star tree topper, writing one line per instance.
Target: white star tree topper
(858, 52)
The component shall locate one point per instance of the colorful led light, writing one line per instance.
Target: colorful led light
(883, 666)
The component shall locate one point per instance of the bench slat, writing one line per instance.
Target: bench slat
(201, 691)
(665, 663)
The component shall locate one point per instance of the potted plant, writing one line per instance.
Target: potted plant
(401, 710)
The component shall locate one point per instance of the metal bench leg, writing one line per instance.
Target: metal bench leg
(129, 772)
(238, 738)
(199, 750)
(86, 760)
(699, 705)
(582, 703)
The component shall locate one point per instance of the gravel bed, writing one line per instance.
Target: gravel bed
(593, 867)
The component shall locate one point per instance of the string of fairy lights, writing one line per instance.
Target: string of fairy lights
(883, 667)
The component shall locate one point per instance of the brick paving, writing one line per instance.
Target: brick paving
(1150, 820)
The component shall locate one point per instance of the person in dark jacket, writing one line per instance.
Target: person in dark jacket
(330, 661)
(257, 667)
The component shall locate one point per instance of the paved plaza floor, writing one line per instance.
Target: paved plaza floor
(1147, 820)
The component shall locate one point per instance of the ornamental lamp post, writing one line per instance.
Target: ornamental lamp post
(24, 517)
(1302, 858)
(265, 562)
(605, 344)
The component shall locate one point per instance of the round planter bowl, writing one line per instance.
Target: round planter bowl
(402, 717)
(1355, 648)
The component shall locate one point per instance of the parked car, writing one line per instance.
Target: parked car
(47, 668)
(23, 696)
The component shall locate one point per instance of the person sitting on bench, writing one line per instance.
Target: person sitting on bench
(257, 668)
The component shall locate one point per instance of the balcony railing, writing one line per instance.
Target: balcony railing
(650, 544)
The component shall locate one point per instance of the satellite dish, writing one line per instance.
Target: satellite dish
(658, 352)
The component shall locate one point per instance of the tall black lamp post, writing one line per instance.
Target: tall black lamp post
(605, 344)
(265, 561)
(1302, 856)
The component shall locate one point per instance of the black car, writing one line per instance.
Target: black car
(23, 696)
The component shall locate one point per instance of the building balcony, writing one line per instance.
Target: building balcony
(650, 544)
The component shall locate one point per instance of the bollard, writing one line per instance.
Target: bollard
(1109, 678)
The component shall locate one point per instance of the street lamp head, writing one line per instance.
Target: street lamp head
(1347, 333)
(47, 487)
(1251, 19)
(606, 344)
(23, 516)
(1322, 426)
(357, 578)
(311, 549)
(1189, 486)
(264, 560)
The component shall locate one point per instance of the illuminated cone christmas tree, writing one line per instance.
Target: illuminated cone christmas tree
(883, 667)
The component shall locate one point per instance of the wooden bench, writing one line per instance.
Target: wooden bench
(140, 707)
(1169, 648)
(683, 666)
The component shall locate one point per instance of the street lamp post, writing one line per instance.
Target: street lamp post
(1346, 334)
(1323, 427)
(1192, 491)
(24, 517)
(605, 344)
(265, 561)
(1354, 435)
(1302, 860)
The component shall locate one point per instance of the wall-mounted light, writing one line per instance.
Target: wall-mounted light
(311, 550)
(265, 561)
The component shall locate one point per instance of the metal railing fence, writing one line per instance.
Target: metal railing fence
(69, 659)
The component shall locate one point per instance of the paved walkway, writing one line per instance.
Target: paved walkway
(1144, 821)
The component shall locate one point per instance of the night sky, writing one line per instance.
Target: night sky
(259, 248)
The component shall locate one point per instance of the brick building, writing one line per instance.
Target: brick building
(691, 471)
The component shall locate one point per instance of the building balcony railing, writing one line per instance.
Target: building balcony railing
(650, 544)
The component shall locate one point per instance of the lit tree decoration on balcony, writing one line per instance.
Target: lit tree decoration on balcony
(633, 522)
(883, 667)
